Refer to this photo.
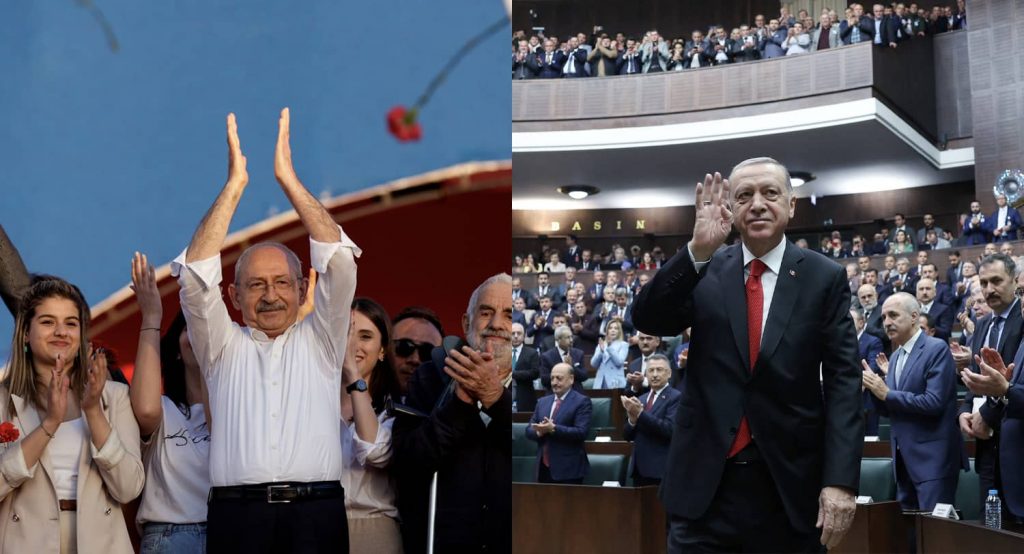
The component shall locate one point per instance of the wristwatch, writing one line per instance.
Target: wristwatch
(358, 385)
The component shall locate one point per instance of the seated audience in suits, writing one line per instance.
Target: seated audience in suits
(918, 395)
(560, 425)
(941, 314)
(649, 421)
(563, 353)
(1004, 222)
(636, 374)
(610, 357)
(584, 327)
(869, 347)
(519, 292)
(525, 369)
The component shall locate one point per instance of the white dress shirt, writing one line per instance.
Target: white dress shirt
(773, 259)
(368, 490)
(274, 402)
(1001, 217)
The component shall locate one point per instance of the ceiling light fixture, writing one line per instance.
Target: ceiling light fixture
(578, 192)
(801, 178)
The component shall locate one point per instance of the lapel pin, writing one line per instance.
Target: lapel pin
(792, 273)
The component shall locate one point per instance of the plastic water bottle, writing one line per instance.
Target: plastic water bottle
(993, 510)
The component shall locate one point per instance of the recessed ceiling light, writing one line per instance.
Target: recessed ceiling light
(578, 192)
(800, 178)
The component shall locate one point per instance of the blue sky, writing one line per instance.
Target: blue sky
(106, 153)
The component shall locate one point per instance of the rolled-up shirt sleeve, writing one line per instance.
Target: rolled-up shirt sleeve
(377, 453)
(209, 324)
(335, 288)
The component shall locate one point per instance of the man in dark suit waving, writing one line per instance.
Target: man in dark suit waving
(649, 423)
(763, 450)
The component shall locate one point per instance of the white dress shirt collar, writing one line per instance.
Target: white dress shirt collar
(773, 259)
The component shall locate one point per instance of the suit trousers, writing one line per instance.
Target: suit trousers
(925, 494)
(544, 476)
(256, 526)
(746, 515)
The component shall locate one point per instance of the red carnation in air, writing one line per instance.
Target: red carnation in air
(402, 123)
(8, 432)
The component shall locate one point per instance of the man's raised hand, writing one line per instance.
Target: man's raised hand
(237, 173)
(714, 217)
(283, 169)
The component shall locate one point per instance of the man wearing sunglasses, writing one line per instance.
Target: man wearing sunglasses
(416, 331)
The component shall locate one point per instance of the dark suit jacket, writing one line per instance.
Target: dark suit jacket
(869, 347)
(867, 29)
(565, 446)
(652, 434)
(531, 302)
(527, 369)
(573, 258)
(1011, 450)
(551, 70)
(992, 411)
(14, 278)
(539, 333)
(922, 412)
(635, 366)
(874, 327)
(951, 277)
(807, 443)
(526, 69)
(976, 233)
(622, 67)
(473, 461)
(1012, 218)
(580, 56)
(550, 358)
(942, 316)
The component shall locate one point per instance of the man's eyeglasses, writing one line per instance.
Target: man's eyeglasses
(261, 287)
(405, 348)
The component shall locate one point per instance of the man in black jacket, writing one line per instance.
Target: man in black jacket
(461, 434)
(768, 436)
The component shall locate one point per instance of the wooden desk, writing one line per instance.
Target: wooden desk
(946, 535)
(588, 519)
(879, 527)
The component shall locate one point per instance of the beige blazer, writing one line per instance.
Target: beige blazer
(29, 514)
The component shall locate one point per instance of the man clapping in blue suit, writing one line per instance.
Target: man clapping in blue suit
(649, 423)
(919, 397)
(560, 424)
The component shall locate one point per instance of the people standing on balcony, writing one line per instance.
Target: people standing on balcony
(550, 61)
(574, 60)
(797, 41)
(1004, 222)
(719, 47)
(629, 63)
(857, 28)
(695, 51)
(772, 46)
(975, 229)
(655, 53)
(602, 58)
(524, 64)
(748, 47)
(826, 35)
(885, 27)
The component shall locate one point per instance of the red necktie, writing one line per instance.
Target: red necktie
(650, 401)
(544, 456)
(755, 307)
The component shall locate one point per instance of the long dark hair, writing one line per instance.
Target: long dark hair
(384, 380)
(172, 366)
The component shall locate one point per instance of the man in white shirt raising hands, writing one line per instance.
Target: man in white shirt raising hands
(275, 457)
